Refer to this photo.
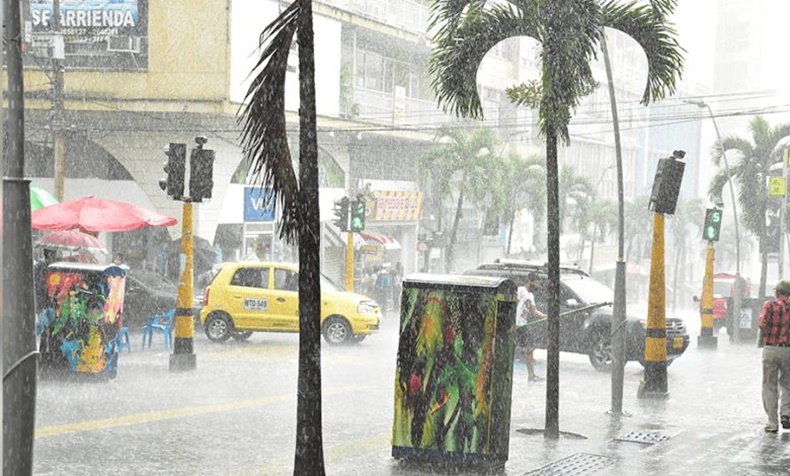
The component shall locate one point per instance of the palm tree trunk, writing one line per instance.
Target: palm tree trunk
(552, 429)
(309, 457)
(451, 244)
(675, 272)
(763, 271)
(510, 233)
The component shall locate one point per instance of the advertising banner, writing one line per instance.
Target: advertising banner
(103, 34)
(395, 205)
(258, 204)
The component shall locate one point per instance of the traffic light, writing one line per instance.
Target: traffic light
(173, 183)
(358, 209)
(712, 227)
(201, 174)
(666, 185)
(341, 214)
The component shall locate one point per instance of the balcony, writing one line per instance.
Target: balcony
(405, 14)
(385, 108)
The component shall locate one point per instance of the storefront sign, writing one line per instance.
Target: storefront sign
(395, 205)
(258, 204)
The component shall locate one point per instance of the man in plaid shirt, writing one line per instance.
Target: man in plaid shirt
(775, 332)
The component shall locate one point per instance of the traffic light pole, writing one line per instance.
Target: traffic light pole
(183, 356)
(350, 262)
(706, 338)
(654, 383)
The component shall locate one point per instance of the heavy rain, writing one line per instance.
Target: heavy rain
(395, 237)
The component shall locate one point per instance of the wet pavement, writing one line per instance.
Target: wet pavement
(236, 415)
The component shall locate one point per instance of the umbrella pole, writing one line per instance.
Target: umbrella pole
(183, 356)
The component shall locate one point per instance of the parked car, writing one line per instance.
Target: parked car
(247, 297)
(588, 331)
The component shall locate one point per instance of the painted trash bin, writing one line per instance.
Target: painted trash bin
(81, 317)
(454, 372)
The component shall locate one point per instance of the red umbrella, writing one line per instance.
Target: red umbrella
(70, 240)
(93, 215)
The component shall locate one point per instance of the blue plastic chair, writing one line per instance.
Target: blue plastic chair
(122, 340)
(162, 322)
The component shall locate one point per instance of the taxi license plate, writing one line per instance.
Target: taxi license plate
(677, 342)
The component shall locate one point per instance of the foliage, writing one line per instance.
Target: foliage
(750, 171)
(460, 166)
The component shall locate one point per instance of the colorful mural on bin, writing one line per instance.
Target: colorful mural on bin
(82, 316)
(445, 381)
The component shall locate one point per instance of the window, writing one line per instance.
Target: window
(251, 278)
(286, 280)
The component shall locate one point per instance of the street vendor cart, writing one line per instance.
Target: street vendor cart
(81, 317)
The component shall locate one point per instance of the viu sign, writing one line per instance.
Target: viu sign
(258, 204)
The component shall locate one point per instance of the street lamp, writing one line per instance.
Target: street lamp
(737, 300)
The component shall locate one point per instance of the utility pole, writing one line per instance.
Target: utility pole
(58, 121)
(19, 336)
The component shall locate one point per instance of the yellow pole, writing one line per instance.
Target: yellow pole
(183, 357)
(706, 338)
(350, 262)
(654, 383)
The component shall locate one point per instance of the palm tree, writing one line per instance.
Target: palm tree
(603, 216)
(578, 190)
(637, 227)
(570, 31)
(520, 185)
(460, 166)
(265, 145)
(750, 172)
(687, 213)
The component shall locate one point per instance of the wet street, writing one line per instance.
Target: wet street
(236, 415)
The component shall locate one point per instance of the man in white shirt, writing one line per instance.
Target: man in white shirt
(526, 312)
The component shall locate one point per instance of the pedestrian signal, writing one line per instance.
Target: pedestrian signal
(712, 227)
(358, 210)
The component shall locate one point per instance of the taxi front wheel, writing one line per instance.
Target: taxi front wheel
(337, 331)
(218, 327)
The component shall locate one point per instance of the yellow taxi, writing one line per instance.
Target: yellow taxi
(249, 297)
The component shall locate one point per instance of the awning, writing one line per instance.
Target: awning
(387, 242)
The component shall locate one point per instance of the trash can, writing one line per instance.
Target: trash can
(746, 325)
(80, 319)
(454, 372)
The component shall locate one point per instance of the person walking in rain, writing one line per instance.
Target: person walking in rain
(526, 312)
(774, 326)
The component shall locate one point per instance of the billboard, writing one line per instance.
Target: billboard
(97, 34)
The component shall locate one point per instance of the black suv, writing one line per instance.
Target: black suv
(585, 332)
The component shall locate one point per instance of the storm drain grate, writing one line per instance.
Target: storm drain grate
(578, 464)
(644, 438)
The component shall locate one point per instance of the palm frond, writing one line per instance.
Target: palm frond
(658, 40)
(572, 33)
(463, 41)
(264, 138)
(663, 8)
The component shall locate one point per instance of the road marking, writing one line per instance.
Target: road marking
(141, 418)
(332, 454)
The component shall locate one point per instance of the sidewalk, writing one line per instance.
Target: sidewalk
(711, 424)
